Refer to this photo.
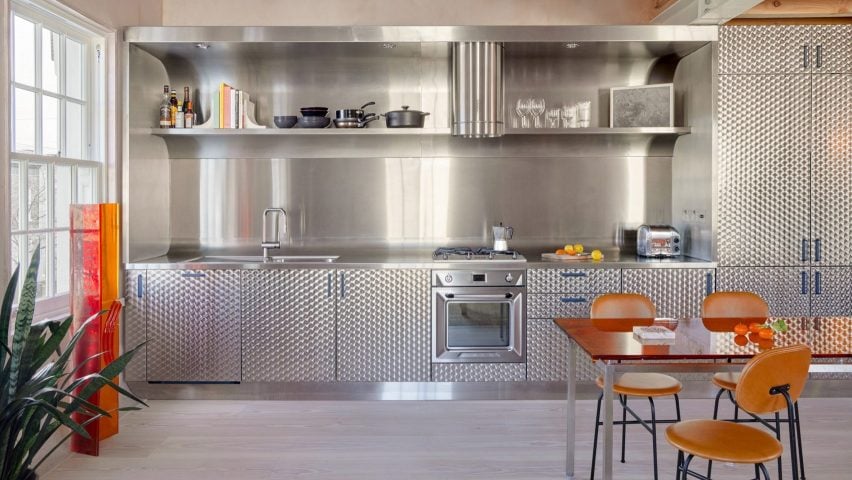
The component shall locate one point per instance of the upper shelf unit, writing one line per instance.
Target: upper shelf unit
(228, 132)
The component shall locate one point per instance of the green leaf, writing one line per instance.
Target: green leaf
(24, 320)
(6, 315)
(779, 326)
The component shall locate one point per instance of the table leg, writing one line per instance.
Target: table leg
(609, 378)
(572, 399)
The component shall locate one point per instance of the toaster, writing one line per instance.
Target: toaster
(657, 241)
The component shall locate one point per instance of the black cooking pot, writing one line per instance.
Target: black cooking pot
(353, 112)
(405, 118)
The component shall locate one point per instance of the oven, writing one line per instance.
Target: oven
(478, 316)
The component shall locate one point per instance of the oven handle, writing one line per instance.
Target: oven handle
(479, 297)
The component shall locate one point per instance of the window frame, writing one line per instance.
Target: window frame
(45, 15)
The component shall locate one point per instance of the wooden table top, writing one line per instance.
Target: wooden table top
(707, 338)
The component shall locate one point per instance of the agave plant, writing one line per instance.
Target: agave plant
(39, 389)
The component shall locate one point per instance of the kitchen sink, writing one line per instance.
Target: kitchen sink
(275, 259)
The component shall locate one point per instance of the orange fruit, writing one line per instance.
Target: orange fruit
(741, 329)
(755, 327)
(560, 252)
(741, 340)
(569, 249)
(765, 343)
(765, 333)
(753, 337)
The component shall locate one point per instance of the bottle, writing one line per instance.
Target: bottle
(173, 103)
(189, 116)
(165, 109)
(185, 107)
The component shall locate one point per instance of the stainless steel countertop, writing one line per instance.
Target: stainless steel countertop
(372, 257)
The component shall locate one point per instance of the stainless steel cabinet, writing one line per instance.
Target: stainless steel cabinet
(831, 291)
(833, 48)
(383, 325)
(479, 372)
(676, 292)
(573, 280)
(831, 171)
(193, 325)
(764, 202)
(134, 323)
(547, 354)
(785, 289)
(288, 323)
(765, 49)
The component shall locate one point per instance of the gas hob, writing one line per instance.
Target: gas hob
(481, 254)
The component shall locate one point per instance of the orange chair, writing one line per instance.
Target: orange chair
(625, 306)
(769, 383)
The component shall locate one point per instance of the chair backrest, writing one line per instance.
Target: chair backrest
(623, 305)
(734, 304)
(773, 368)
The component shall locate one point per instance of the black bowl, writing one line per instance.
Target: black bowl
(314, 111)
(285, 121)
(314, 122)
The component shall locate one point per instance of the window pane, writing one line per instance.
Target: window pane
(25, 53)
(87, 185)
(73, 130)
(16, 197)
(18, 242)
(39, 241)
(37, 196)
(61, 195)
(73, 69)
(50, 66)
(61, 262)
(49, 125)
(24, 126)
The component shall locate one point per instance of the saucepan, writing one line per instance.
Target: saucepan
(405, 118)
(355, 122)
(350, 113)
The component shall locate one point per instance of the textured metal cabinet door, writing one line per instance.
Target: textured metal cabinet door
(547, 354)
(831, 292)
(832, 170)
(833, 48)
(764, 124)
(676, 292)
(383, 326)
(134, 323)
(765, 49)
(288, 325)
(785, 289)
(193, 320)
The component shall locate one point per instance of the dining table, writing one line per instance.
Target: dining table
(697, 345)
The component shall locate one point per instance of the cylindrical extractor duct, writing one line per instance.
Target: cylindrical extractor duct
(478, 89)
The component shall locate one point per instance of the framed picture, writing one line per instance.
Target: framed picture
(642, 106)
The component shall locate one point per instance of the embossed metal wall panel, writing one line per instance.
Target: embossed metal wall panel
(573, 280)
(676, 292)
(764, 49)
(834, 295)
(547, 354)
(193, 325)
(764, 124)
(835, 43)
(566, 305)
(288, 325)
(832, 168)
(479, 372)
(781, 287)
(383, 325)
(134, 323)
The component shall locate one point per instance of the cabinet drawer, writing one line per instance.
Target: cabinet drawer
(579, 280)
(553, 305)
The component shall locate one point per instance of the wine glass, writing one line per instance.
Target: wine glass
(522, 108)
(537, 108)
(552, 117)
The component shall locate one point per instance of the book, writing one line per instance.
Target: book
(654, 335)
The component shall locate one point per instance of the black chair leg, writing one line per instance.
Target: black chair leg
(595, 442)
(799, 438)
(736, 407)
(623, 400)
(716, 403)
(654, 434)
(763, 470)
(686, 467)
(778, 437)
(677, 406)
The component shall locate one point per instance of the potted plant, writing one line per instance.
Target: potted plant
(38, 389)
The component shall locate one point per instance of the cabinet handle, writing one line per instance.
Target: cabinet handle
(330, 277)
(817, 283)
(193, 275)
(817, 250)
(805, 59)
(139, 286)
(819, 56)
(573, 300)
(342, 285)
(804, 283)
(574, 274)
(708, 283)
(805, 250)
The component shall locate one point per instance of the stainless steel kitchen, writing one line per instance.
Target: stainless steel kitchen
(482, 239)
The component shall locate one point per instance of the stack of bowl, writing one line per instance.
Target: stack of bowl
(314, 117)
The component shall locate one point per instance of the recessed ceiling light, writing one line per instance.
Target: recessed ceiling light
(202, 46)
(388, 45)
(572, 45)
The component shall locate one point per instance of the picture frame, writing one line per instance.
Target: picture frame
(642, 106)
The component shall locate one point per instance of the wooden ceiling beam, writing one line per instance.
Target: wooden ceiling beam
(800, 9)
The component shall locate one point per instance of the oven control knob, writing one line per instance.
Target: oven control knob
(448, 278)
(509, 278)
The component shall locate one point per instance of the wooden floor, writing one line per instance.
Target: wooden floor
(407, 440)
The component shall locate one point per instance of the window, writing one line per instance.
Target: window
(56, 85)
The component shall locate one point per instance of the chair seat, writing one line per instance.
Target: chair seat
(724, 441)
(726, 380)
(644, 384)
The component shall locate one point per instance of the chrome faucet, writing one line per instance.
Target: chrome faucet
(267, 244)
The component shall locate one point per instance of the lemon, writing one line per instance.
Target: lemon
(578, 248)
(569, 249)
(597, 255)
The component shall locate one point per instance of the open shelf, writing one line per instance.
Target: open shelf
(601, 131)
(223, 132)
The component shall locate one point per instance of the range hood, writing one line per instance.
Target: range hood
(478, 89)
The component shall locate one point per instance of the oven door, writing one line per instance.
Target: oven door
(478, 325)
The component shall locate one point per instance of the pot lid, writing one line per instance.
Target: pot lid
(406, 110)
